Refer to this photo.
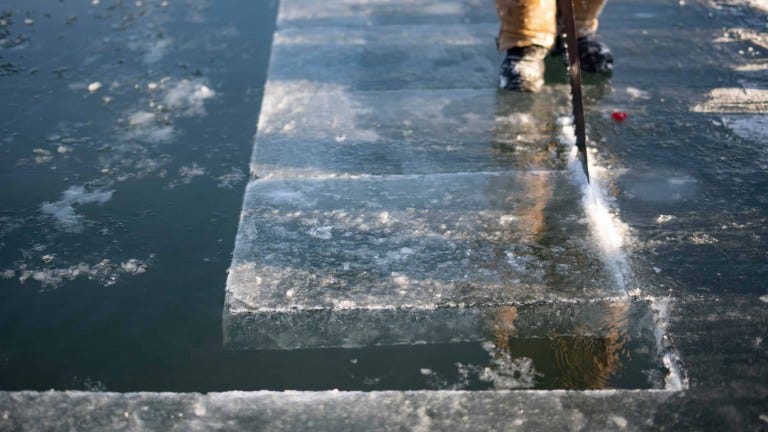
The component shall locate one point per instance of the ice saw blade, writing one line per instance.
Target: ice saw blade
(574, 71)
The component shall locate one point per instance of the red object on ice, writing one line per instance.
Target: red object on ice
(619, 116)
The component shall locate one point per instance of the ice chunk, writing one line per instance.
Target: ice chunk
(133, 266)
(507, 373)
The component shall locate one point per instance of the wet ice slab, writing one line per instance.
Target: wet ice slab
(334, 411)
(387, 57)
(399, 259)
(304, 131)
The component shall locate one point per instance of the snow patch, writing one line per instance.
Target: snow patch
(140, 118)
(187, 174)
(188, 97)
(63, 211)
(145, 127)
(701, 238)
(104, 271)
(619, 421)
(506, 373)
(133, 266)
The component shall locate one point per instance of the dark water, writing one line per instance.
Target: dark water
(125, 132)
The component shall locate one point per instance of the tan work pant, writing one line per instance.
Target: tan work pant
(534, 22)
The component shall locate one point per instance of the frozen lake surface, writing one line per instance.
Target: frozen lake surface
(126, 143)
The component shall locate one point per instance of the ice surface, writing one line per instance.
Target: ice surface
(356, 12)
(429, 231)
(333, 410)
(387, 57)
(157, 50)
(329, 131)
(750, 127)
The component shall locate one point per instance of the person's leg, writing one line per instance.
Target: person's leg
(593, 54)
(526, 22)
(527, 32)
(586, 13)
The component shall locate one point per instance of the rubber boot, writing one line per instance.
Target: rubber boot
(523, 69)
(594, 55)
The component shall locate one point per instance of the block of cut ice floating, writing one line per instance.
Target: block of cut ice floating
(403, 259)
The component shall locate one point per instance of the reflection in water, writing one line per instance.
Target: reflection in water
(588, 361)
(585, 358)
(576, 359)
(524, 127)
(504, 327)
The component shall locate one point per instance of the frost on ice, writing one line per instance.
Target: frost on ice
(188, 97)
(63, 211)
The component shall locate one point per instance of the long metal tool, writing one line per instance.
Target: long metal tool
(574, 71)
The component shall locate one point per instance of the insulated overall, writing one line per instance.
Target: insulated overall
(534, 22)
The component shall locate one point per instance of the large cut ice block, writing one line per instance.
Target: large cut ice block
(320, 132)
(403, 259)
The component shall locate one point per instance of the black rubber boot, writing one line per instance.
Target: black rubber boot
(523, 69)
(594, 55)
